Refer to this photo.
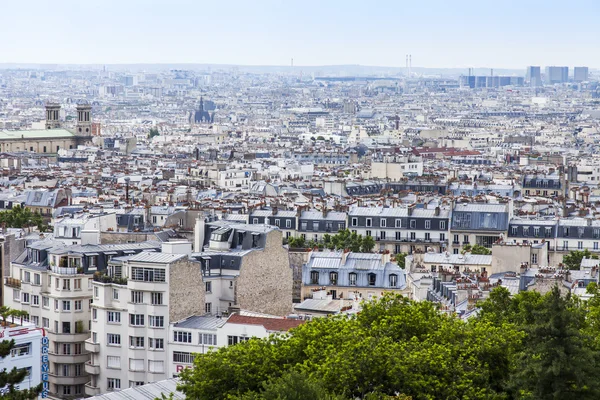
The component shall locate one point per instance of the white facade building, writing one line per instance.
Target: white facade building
(26, 354)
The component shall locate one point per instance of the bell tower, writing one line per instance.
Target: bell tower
(84, 120)
(52, 115)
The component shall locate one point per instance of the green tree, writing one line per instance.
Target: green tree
(153, 132)
(19, 217)
(10, 379)
(573, 260)
(367, 245)
(400, 259)
(320, 138)
(479, 249)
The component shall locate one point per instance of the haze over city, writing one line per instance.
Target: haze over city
(438, 33)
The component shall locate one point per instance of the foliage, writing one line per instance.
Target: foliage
(400, 259)
(153, 132)
(477, 249)
(15, 376)
(573, 260)
(19, 217)
(344, 239)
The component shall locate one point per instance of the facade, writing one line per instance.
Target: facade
(52, 282)
(533, 76)
(312, 225)
(133, 306)
(26, 354)
(557, 74)
(285, 220)
(347, 275)
(478, 224)
(580, 74)
(243, 266)
(394, 168)
(402, 229)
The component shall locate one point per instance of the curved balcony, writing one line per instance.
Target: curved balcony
(92, 369)
(69, 358)
(91, 390)
(91, 346)
(68, 337)
(68, 380)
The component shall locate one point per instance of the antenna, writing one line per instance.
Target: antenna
(292, 62)
(410, 64)
(407, 65)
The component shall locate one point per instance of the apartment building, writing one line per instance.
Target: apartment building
(133, 305)
(52, 282)
(26, 354)
(402, 229)
(84, 228)
(313, 225)
(285, 220)
(244, 266)
(347, 275)
(478, 224)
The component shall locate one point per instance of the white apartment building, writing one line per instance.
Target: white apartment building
(84, 228)
(131, 312)
(395, 168)
(26, 354)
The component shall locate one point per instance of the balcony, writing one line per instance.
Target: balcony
(69, 358)
(109, 279)
(12, 282)
(91, 346)
(66, 270)
(68, 337)
(91, 390)
(92, 369)
(68, 380)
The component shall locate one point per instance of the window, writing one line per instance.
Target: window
(442, 225)
(413, 236)
(22, 349)
(333, 278)
(595, 245)
(314, 277)
(580, 245)
(137, 297)
(398, 223)
(37, 279)
(113, 362)
(288, 223)
(136, 342)
(208, 287)
(277, 222)
(115, 294)
(442, 237)
(95, 291)
(66, 327)
(77, 348)
(207, 339)
(136, 364)
(369, 222)
(372, 279)
(45, 302)
(66, 284)
(148, 274)
(66, 349)
(156, 367)
(94, 314)
(135, 383)
(536, 231)
(78, 305)
(382, 222)
(427, 224)
(382, 235)
(398, 235)
(413, 223)
(66, 305)
(156, 321)
(113, 317)
(352, 278)
(231, 340)
(35, 320)
(427, 236)
(534, 258)
(156, 298)
(27, 277)
(114, 384)
(16, 295)
(25, 298)
(77, 284)
(368, 233)
(184, 358)
(45, 323)
(136, 319)
(465, 238)
(156, 344)
(113, 339)
(182, 337)
(208, 308)
(393, 280)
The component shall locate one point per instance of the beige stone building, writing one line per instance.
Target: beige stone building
(54, 137)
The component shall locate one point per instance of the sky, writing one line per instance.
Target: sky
(438, 33)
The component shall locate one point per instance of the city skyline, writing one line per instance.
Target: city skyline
(436, 34)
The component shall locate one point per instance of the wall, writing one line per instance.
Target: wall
(186, 289)
(297, 260)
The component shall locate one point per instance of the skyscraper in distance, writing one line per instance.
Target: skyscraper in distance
(557, 74)
(580, 74)
(533, 76)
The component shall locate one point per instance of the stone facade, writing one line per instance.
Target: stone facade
(297, 260)
(265, 281)
(125, 237)
(186, 289)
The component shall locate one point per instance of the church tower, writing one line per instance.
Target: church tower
(52, 115)
(84, 120)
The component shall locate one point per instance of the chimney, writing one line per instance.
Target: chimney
(325, 212)
(275, 210)
(437, 211)
(523, 268)
(345, 256)
(594, 271)
(410, 209)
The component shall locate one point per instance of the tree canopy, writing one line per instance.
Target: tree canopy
(153, 132)
(528, 346)
(477, 249)
(573, 259)
(19, 217)
(342, 240)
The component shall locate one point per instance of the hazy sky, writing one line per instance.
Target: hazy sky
(438, 33)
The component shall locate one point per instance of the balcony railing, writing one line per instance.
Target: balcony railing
(12, 282)
(110, 279)
(65, 270)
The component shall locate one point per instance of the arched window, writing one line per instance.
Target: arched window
(372, 279)
(314, 277)
(352, 278)
(333, 278)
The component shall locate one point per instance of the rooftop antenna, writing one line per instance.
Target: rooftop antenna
(410, 64)
(407, 72)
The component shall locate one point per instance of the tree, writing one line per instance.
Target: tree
(320, 138)
(19, 217)
(573, 260)
(479, 249)
(153, 132)
(367, 245)
(400, 259)
(10, 379)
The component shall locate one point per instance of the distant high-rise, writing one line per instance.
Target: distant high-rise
(533, 76)
(557, 74)
(580, 74)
